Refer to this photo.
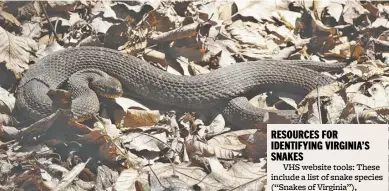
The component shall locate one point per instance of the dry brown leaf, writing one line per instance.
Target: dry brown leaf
(184, 64)
(106, 177)
(125, 104)
(324, 91)
(335, 10)
(289, 18)
(374, 11)
(32, 29)
(169, 183)
(62, 5)
(319, 26)
(275, 118)
(135, 40)
(7, 101)
(318, 6)
(126, 179)
(207, 150)
(219, 53)
(260, 10)
(353, 10)
(205, 11)
(70, 176)
(346, 50)
(139, 118)
(378, 97)
(383, 112)
(347, 114)
(155, 57)
(9, 18)
(246, 35)
(283, 33)
(187, 54)
(100, 25)
(289, 101)
(256, 144)
(6, 119)
(242, 176)
(216, 127)
(142, 141)
(189, 174)
(380, 22)
(15, 51)
(366, 70)
(255, 54)
(230, 140)
(195, 69)
(105, 125)
(164, 19)
(179, 33)
(335, 108)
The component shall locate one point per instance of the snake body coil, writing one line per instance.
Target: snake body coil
(222, 87)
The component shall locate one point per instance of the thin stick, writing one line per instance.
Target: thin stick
(318, 104)
(48, 20)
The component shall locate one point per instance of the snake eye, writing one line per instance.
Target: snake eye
(114, 90)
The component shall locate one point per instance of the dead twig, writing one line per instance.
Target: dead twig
(48, 21)
(180, 33)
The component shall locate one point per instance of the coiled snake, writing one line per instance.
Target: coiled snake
(222, 88)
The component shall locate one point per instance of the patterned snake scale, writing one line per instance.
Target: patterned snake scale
(222, 89)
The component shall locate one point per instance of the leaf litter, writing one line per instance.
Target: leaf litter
(136, 146)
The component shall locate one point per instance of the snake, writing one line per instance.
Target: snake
(93, 72)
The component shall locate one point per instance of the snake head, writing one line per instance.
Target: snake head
(108, 87)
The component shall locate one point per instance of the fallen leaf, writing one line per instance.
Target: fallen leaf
(125, 104)
(216, 127)
(276, 118)
(380, 22)
(206, 150)
(9, 18)
(7, 101)
(318, 25)
(289, 18)
(353, 10)
(366, 70)
(100, 25)
(346, 50)
(259, 10)
(126, 179)
(374, 11)
(230, 140)
(168, 183)
(378, 97)
(242, 176)
(139, 118)
(289, 101)
(195, 69)
(142, 141)
(324, 91)
(64, 5)
(335, 108)
(245, 35)
(106, 177)
(32, 29)
(256, 144)
(70, 176)
(155, 57)
(335, 10)
(15, 51)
